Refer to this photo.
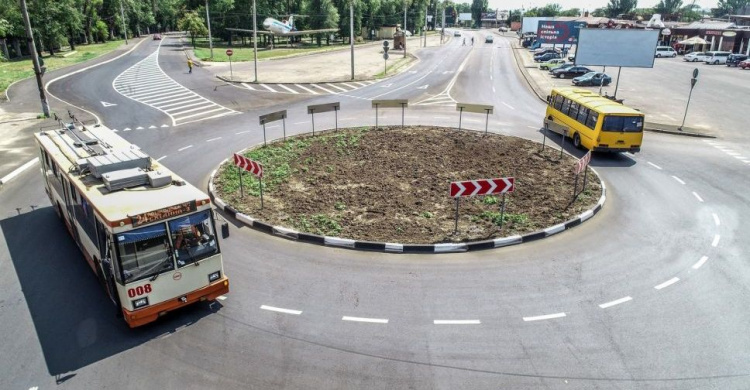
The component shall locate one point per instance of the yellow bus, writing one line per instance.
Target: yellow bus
(594, 122)
(148, 235)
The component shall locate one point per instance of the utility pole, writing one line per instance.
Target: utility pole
(426, 11)
(34, 58)
(210, 41)
(405, 28)
(124, 26)
(255, 42)
(351, 32)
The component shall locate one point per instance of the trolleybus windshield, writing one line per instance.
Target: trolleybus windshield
(144, 252)
(193, 238)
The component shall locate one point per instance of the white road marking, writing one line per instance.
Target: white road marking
(698, 197)
(615, 302)
(457, 322)
(508, 105)
(18, 171)
(126, 129)
(185, 148)
(306, 89)
(533, 127)
(105, 104)
(667, 116)
(493, 89)
(243, 132)
(299, 123)
(678, 180)
(361, 319)
(349, 85)
(281, 310)
(221, 297)
(361, 84)
(213, 139)
(139, 128)
(287, 88)
(161, 158)
(654, 165)
(715, 242)
(327, 90)
(667, 283)
(700, 262)
(544, 317)
(248, 86)
(732, 153)
(716, 219)
(152, 127)
(267, 87)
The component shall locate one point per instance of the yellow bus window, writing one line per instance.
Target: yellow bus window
(592, 119)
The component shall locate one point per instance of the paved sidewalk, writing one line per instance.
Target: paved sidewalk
(542, 83)
(328, 67)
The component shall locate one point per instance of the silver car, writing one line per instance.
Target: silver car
(695, 56)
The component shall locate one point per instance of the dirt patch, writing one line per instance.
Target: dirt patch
(391, 185)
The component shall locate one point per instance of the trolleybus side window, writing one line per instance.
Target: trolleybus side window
(193, 238)
(144, 252)
(592, 119)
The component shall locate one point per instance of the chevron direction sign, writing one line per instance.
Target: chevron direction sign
(582, 163)
(482, 187)
(249, 165)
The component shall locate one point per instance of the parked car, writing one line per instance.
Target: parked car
(696, 56)
(546, 57)
(488, 39)
(573, 71)
(735, 59)
(456, 33)
(744, 64)
(593, 78)
(544, 50)
(665, 51)
(552, 64)
(157, 37)
(503, 29)
(716, 57)
(563, 66)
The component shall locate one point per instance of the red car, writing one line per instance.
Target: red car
(744, 64)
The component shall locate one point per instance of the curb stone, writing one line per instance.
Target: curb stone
(388, 247)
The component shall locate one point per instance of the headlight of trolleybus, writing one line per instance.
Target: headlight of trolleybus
(214, 276)
(140, 302)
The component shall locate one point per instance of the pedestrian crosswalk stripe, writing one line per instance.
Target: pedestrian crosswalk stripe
(337, 87)
(318, 86)
(267, 87)
(287, 88)
(248, 86)
(349, 85)
(306, 89)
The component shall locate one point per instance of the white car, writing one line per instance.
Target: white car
(695, 56)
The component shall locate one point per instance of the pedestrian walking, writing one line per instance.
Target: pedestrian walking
(464, 43)
(190, 65)
(472, 41)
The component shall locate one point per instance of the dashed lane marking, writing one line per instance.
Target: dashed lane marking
(213, 139)
(654, 165)
(715, 242)
(700, 262)
(184, 148)
(667, 283)
(362, 319)
(281, 310)
(508, 105)
(716, 219)
(698, 197)
(457, 322)
(161, 158)
(678, 180)
(544, 317)
(615, 302)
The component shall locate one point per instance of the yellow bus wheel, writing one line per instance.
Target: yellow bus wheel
(577, 141)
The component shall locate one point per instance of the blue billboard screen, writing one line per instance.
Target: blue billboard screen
(550, 31)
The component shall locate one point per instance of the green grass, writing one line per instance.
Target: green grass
(15, 70)
(393, 66)
(318, 224)
(245, 53)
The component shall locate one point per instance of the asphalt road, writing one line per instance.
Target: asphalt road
(651, 293)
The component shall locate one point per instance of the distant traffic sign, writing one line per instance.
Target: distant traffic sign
(385, 55)
(249, 165)
(229, 52)
(482, 187)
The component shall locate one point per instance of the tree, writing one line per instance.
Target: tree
(323, 14)
(691, 12)
(571, 12)
(669, 9)
(619, 7)
(477, 7)
(193, 24)
(728, 7)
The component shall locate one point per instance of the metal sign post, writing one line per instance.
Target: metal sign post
(392, 103)
(502, 185)
(502, 212)
(385, 57)
(477, 108)
(229, 54)
(272, 117)
(693, 81)
(254, 167)
(562, 144)
(455, 226)
(242, 192)
(544, 135)
(324, 108)
(581, 165)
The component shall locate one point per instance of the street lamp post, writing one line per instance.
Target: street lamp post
(210, 41)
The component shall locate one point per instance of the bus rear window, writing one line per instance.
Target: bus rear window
(628, 124)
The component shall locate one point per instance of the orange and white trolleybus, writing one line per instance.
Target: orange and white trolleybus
(148, 235)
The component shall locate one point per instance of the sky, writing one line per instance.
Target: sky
(582, 4)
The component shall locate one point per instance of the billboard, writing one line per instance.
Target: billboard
(608, 47)
(464, 17)
(530, 24)
(489, 15)
(550, 31)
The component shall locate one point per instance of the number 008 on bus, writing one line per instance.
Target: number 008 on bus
(594, 122)
(148, 235)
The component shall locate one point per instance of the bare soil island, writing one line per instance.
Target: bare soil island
(391, 185)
